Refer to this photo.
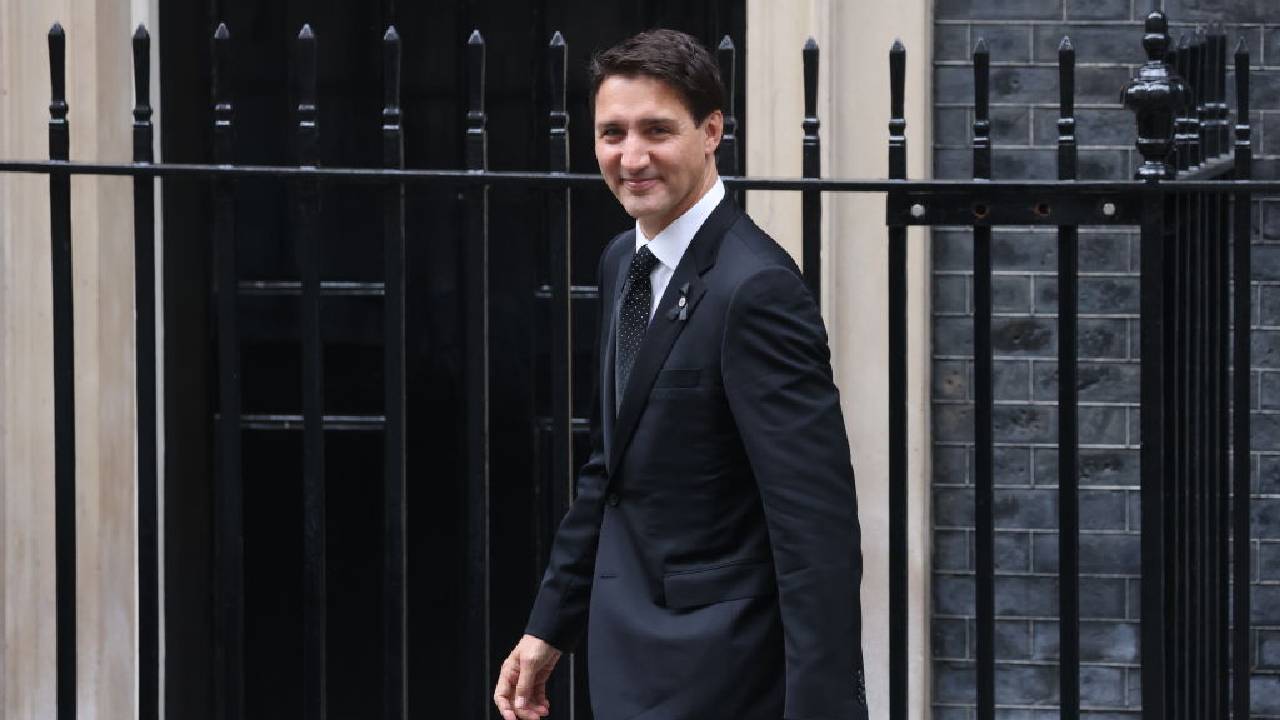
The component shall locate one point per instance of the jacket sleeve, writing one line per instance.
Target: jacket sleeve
(559, 612)
(777, 374)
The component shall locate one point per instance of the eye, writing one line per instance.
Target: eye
(611, 132)
(660, 130)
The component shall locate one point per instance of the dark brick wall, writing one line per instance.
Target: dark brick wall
(1024, 36)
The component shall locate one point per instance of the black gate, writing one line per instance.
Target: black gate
(1190, 199)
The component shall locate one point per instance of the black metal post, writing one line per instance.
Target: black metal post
(984, 399)
(306, 208)
(394, 587)
(559, 245)
(727, 153)
(144, 271)
(476, 259)
(229, 490)
(811, 200)
(64, 407)
(1242, 241)
(898, 580)
(1068, 434)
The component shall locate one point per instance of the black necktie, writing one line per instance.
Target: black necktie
(633, 320)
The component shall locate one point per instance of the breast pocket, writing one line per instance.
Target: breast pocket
(717, 583)
(678, 378)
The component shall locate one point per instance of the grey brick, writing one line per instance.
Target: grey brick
(1265, 137)
(1010, 125)
(1099, 85)
(1011, 380)
(1265, 604)
(949, 638)
(1134, 502)
(1012, 465)
(1264, 518)
(1238, 11)
(1102, 598)
(1006, 43)
(1027, 684)
(951, 42)
(1104, 295)
(1101, 686)
(1011, 293)
(1120, 44)
(1109, 467)
(1025, 509)
(1024, 336)
(1266, 221)
(1264, 692)
(948, 712)
(1264, 348)
(1012, 551)
(1102, 509)
(953, 84)
(1270, 48)
(950, 294)
(1025, 423)
(1269, 650)
(1134, 423)
(1021, 163)
(1101, 425)
(1102, 338)
(1105, 641)
(953, 507)
(1266, 262)
(1106, 251)
(951, 127)
(952, 422)
(950, 379)
(998, 9)
(1265, 431)
(951, 550)
(1023, 250)
(953, 594)
(1110, 382)
(950, 465)
(1094, 126)
(1025, 595)
(1269, 562)
(951, 164)
(1105, 165)
(953, 336)
(1134, 698)
(1012, 639)
(1109, 553)
(1268, 305)
(1044, 553)
(954, 682)
(1133, 600)
(1097, 9)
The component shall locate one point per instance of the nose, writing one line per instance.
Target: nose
(635, 156)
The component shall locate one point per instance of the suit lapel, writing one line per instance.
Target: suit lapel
(667, 324)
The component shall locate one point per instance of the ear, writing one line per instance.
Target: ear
(712, 131)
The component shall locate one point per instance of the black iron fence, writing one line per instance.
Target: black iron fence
(1190, 198)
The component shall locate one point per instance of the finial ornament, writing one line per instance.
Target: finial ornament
(1153, 95)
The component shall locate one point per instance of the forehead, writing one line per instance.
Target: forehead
(633, 98)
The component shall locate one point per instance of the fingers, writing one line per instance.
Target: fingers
(502, 694)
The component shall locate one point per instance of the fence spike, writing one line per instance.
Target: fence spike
(558, 119)
(476, 139)
(981, 110)
(391, 76)
(58, 72)
(727, 153)
(142, 74)
(557, 40)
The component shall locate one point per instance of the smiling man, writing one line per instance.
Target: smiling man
(712, 552)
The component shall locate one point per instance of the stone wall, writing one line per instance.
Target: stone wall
(1023, 36)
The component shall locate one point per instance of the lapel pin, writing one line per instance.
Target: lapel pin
(681, 310)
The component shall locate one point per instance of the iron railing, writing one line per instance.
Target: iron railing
(1190, 198)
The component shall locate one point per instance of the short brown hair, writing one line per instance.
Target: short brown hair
(671, 56)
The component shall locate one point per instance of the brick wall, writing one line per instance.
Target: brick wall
(1023, 36)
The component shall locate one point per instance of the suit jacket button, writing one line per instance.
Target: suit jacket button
(613, 499)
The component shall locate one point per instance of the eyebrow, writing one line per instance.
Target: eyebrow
(661, 120)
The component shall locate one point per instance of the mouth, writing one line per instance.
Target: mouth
(639, 185)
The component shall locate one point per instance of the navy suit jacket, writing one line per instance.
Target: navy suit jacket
(713, 546)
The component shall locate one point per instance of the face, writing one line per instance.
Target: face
(657, 162)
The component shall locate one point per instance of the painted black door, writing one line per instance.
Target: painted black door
(348, 33)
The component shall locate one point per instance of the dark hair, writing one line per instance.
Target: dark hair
(671, 56)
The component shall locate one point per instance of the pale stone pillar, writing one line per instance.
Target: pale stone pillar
(853, 105)
(100, 96)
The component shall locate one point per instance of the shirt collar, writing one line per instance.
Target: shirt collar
(669, 245)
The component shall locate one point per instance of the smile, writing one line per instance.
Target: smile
(640, 185)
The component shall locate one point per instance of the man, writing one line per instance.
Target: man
(714, 538)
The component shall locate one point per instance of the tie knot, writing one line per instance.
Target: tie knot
(643, 262)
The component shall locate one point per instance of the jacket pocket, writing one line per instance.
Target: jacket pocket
(678, 377)
(717, 583)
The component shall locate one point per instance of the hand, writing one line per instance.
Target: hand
(522, 683)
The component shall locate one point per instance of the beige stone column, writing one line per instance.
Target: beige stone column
(100, 96)
(854, 37)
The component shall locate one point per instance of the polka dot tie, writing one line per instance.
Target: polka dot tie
(633, 320)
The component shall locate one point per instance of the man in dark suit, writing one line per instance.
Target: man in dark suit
(713, 546)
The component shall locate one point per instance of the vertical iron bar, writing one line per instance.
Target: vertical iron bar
(1182, 122)
(727, 153)
(144, 265)
(898, 581)
(1178, 634)
(229, 491)
(984, 436)
(476, 259)
(394, 587)
(1195, 53)
(1068, 436)
(1199, 53)
(559, 203)
(1241, 356)
(1221, 619)
(306, 207)
(64, 409)
(811, 208)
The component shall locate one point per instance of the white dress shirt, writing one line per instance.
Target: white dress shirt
(669, 245)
